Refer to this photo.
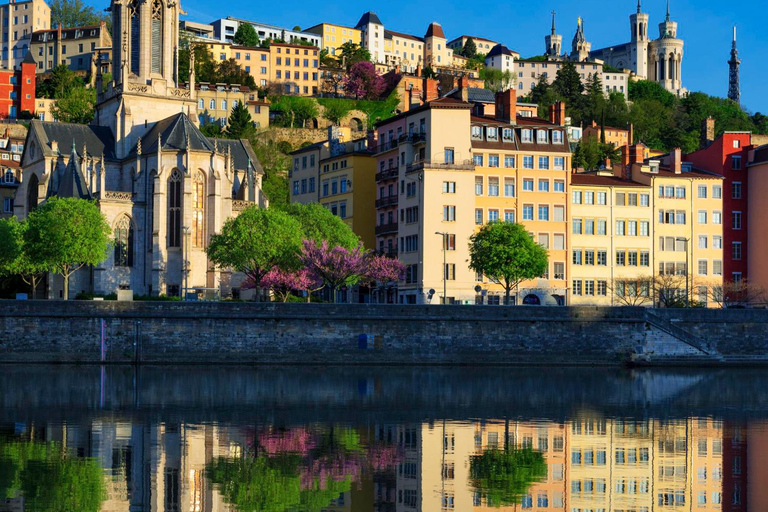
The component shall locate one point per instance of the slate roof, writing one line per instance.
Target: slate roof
(435, 30)
(389, 33)
(499, 49)
(174, 132)
(368, 17)
(476, 95)
(98, 140)
(242, 153)
(29, 59)
(69, 181)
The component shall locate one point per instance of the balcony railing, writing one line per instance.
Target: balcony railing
(386, 228)
(387, 174)
(386, 201)
(413, 138)
(465, 165)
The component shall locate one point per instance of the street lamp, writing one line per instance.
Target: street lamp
(445, 266)
(185, 258)
(687, 270)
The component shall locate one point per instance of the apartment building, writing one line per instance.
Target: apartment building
(339, 174)
(687, 225)
(11, 147)
(80, 48)
(483, 45)
(296, 67)
(224, 30)
(197, 30)
(758, 212)
(530, 71)
(333, 36)
(18, 20)
(443, 172)
(17, 90)
(611, 243)
(216, 101)
(255, 62)
(617, 137)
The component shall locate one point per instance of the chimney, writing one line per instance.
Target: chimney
(418, 70)
(631, 138)
(431, 91)
(557, 113)
(506, 106)
(552, 114)
(676, 159)
(707, 132)
(55, 146)
(464, 88)
(397, 69)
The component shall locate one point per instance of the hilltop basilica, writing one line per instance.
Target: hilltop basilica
(659, 60)
(163, 186)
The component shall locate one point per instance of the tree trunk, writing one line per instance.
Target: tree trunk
(66, 286)
(507, 289)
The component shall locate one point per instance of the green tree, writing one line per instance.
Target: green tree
(246, 35)
(504, 477)
(507, 255)
(255, 242)
(240, 122)
(336, 109)
(645, 89)
(352, 53)
(74, 13)
(14, 259)
(205, 66)
(210, 128)
(297, 110)
(77, 107)
(469, 50)
(64, 234)
(59, 84)
(230, 72)
(568, 86)
(319, 224)
(594, 101)
(378, 110)
(275, 162)
(544, 95)
(497, 80)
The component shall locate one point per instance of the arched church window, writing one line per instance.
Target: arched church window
(198, 211)
(32, 193)
(201, 104)
(133, 15)
(157, 36)
(124, 242)
(174, 209)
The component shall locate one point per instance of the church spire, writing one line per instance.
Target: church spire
(667, 10)
(734, 90)
(553, 22)
(639, 8)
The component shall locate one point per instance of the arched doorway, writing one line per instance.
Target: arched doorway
(356, 124)
(532, 300)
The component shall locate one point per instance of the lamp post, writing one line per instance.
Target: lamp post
(445, 266)
(185, 264)
(687, 271)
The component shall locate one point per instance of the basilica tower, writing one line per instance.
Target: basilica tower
(638, 46)
(554, 41)
(734, 90)
(580, 47)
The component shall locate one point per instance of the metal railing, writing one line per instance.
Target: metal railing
(387, 174)
(386, 201)
(386, 228)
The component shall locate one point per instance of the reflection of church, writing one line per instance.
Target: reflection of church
(162, 185)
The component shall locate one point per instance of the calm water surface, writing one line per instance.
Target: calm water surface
(201, 439)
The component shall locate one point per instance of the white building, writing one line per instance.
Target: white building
(224, 30)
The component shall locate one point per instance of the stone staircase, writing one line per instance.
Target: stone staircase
(669, 344)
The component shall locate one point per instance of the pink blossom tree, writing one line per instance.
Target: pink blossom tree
(382, 270)
(363, 82)
(284, 282)
(334, 266)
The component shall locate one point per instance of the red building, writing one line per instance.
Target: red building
(727, 155)
(17, 89)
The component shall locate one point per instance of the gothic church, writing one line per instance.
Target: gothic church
(163, 186)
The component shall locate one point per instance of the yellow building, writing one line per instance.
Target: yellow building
(254, 61)
(259, 110)
(79, 48)
(617, 137)
(338, 173)
(333, 36)
(216, 101)
(687, 229)
(19, 21)
(220, 51)
(296, 67)
(611, 243)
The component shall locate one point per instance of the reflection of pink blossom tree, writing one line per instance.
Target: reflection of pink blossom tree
(363, 82)
(336, 266)
(295, 441)
(283, 282)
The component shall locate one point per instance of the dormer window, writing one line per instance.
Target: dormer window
(477, 133)
(492, 133)
(542, 137)
(557, 137)
(508, 135)
(527, 135)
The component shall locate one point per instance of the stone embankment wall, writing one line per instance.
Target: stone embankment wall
(174, 332)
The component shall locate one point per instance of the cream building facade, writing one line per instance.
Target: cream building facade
(333, 36)
(163, 187)
(17, 22)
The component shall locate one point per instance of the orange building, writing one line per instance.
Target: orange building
(617, 137)
(296, 67)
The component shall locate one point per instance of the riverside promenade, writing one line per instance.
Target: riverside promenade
(350, 334)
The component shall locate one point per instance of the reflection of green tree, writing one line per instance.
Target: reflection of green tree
(49, 479)
(503, 477)
(271, 484)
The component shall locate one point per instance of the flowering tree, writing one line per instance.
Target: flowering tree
(283, 282)
(383, 271)
(334, 266)
(363, 82)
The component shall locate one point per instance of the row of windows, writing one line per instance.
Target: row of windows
(624, 257)
(296, 62)
(558, 162)
(296, 75)
(212, 104)
(509, 186)
(542, 212)
(601, 198)
(263, 56)
(542, 135)
(304, 186)
(599, 227)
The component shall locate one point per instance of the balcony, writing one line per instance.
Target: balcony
(387, 146)
(386, 228)
(386, 201)
(387, 174)
(465, 165)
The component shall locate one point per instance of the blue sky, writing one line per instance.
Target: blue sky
(705, 25)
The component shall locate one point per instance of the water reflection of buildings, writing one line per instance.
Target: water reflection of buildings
(594, 464)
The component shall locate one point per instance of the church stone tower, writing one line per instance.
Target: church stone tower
(666, 56)
(579, 46)
(638, 45)
(554, 41)
(734, 90)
